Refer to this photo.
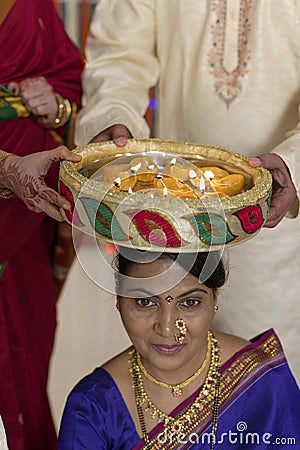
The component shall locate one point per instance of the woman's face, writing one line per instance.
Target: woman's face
(150, 319)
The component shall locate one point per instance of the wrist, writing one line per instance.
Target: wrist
(64, 110)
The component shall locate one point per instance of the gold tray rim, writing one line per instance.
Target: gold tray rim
(69, 172)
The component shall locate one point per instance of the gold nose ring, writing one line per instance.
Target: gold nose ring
(181, 326)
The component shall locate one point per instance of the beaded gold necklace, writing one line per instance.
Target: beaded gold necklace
(177, 388)
(209, 390)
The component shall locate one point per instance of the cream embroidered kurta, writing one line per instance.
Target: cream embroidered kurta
(228, 74)
(3, 441)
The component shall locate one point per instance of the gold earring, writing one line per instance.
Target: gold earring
(180, 324)
(216, 307)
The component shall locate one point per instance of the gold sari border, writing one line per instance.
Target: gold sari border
(241, 371)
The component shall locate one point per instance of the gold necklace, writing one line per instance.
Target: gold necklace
(210, 390)
(177, 388)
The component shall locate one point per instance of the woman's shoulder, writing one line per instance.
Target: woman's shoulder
(262, 354)
(96, 409)
(118, 362)
(117, 368)
(230, 344)
(102, 379)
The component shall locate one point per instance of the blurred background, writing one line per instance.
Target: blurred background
(89, 331)
(76, 15)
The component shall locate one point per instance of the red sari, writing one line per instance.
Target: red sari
(33, 43)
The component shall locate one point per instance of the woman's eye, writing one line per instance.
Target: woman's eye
(144, 302)
(190, 302)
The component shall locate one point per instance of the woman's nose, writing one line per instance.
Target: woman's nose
(165, 323)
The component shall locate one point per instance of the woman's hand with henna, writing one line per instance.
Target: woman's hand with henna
(25, 176)
(39, 98)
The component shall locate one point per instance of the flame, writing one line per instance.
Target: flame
(209, 175)
(192, 174)
(117, 182)
(134, 169)
(202, 185)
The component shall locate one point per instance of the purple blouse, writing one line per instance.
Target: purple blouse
(96, 417)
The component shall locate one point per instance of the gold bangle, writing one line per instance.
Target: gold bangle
(63, 112)
(4, 155)
(5, 192)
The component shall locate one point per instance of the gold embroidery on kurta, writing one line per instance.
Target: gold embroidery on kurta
(228, 82)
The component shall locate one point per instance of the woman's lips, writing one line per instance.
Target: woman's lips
(168, 349)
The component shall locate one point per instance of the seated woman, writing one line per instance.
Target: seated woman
(181, 385)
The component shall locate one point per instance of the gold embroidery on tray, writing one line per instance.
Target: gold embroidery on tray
(228, 84)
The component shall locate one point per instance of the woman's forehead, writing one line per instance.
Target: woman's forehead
(158, 277)
(160, 265)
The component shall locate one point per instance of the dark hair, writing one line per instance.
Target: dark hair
(209, 267)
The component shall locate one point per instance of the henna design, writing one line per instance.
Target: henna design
(50, 196)
(25, 176)
(25, 186)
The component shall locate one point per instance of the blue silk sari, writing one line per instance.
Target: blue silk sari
(259, 407)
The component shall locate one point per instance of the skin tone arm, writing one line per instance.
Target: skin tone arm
(25, 176)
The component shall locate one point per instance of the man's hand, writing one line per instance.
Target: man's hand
(284, 192)
(117, 133)
(25, 176)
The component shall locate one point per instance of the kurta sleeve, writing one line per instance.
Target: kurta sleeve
(121, 67)
(289, 151)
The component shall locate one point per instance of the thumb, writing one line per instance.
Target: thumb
(63, 154)
(14, 87)
(120, 134)
(255, 162)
